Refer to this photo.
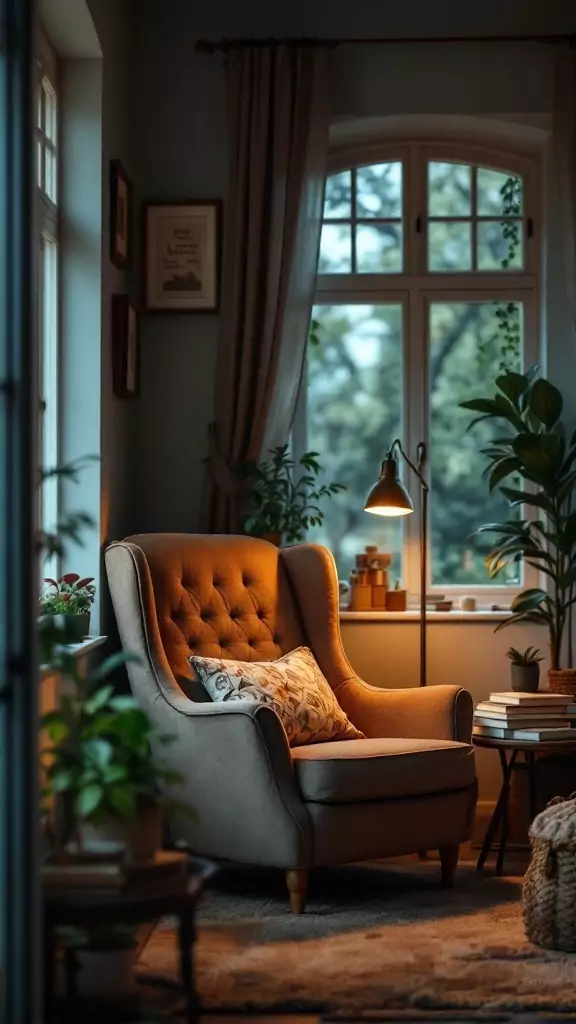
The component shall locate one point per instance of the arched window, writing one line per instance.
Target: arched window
(427, 286)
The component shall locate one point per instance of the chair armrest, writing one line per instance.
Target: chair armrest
(431, 712)
(238, 777)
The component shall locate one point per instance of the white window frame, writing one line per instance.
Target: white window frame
(416, 287)
(48, 257)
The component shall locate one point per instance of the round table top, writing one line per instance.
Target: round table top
(524, 745)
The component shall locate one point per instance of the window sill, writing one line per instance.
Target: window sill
(78, 651)
(413, 615)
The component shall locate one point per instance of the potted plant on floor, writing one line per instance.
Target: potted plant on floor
(68, 600)
(281, 504)
(532, 462)
(524, 669)
(98, 762)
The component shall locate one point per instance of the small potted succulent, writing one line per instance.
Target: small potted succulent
(68, 600)
(99, 765)
(525, 669)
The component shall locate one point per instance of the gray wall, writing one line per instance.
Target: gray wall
(180, 144)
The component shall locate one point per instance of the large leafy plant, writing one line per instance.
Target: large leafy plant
(532, 461)
(281, 499)
(98, 758)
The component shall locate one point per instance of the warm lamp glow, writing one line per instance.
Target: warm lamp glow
(389, 511)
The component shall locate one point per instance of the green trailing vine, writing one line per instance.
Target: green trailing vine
(507, 313)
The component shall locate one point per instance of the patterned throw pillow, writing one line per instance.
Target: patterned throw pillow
(293, 686)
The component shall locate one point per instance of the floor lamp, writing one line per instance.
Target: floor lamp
(389, 497)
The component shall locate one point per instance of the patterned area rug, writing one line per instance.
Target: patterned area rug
(373, 936)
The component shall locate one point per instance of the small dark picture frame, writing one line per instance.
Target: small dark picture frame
(125, 348)
(120, 215)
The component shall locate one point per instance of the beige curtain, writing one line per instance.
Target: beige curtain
(278, 145)
(564, 141)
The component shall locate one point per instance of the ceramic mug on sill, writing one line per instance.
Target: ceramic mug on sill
(467, 604)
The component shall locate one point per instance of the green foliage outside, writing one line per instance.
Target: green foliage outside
(355, 373)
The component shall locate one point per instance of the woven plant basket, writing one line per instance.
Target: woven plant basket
(549, 890)
(562, 680)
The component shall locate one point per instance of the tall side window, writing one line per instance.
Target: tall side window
(48, 284)
(427, 287)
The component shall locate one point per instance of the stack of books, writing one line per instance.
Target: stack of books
(526, 717)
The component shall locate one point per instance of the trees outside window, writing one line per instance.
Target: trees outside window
(427, 288)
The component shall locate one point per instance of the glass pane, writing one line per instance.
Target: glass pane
(49, 110)
(50, 174)
(379, 248)
(498, 193)
(353, 413)
(499, 245)
(379, 190)
(468, 343)
(449, 190)
(337, 201)
(335, 249)
(40, 163)
(449, 245)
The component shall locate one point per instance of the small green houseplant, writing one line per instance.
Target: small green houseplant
(98, 762)
(532, 462)
(524, 669)
(69, 599)
(283, 496)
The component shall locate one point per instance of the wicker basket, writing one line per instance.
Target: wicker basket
(562, 680)
(549, 890)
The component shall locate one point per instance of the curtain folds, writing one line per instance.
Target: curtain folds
(564, 142)
(278, 144)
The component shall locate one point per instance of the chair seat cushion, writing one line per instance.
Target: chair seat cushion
(378, 769)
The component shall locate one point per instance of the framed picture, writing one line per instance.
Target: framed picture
(125, 348)
(120, 215)
(182, 256)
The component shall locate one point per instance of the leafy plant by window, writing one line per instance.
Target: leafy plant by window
(99, 757)
(98, 760)
(69, 595)
(532, 443)
(280, 499)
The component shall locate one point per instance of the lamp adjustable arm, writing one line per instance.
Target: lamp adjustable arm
(417, 469)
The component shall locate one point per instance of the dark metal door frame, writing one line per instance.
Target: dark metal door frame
(20, 924)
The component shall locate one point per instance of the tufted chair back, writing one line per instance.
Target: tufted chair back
(220, 597)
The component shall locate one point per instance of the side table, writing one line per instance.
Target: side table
(90, 908)
(509, 751)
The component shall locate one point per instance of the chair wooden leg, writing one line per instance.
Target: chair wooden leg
(449, 861)
(297, 881)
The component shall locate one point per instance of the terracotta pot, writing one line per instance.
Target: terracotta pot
(525, 678)
(396, 601)
(273, 538)
(562, 680)
(137, 839)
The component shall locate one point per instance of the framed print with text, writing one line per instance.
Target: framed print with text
(182, 256)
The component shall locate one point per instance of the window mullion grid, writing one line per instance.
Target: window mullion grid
(353, 221)
(474, 224)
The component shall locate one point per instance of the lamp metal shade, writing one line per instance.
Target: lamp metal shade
(389, 497)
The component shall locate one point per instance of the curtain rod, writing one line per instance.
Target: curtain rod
(223, 45)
